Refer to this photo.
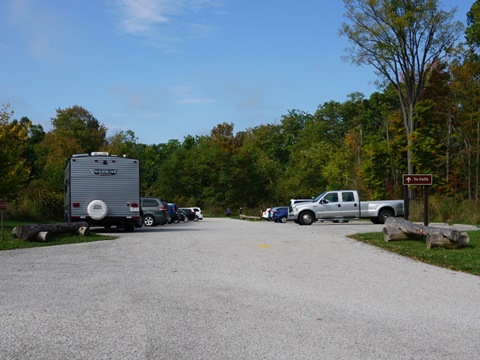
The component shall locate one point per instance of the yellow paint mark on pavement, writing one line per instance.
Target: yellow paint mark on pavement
(264, 246)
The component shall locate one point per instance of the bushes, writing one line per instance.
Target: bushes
(447, 210)
(37, 202)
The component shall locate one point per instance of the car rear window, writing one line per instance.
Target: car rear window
(149, 203)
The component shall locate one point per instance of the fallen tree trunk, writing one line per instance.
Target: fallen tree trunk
(438, 240)
(44, 232)
(249, 217)
(401, 229)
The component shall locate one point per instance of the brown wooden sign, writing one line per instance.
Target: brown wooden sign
(417, 179)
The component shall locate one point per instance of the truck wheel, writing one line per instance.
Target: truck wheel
(384, 215)
(148, 220)
(306, 218)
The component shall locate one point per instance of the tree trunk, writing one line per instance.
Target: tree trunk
(44, 232)
(249, 217)
(437, 240)
(401, 229)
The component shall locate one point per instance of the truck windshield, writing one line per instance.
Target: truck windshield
(319, 197)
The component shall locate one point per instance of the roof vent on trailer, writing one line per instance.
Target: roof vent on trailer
(99, 153)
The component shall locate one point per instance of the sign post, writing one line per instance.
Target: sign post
(417, 179)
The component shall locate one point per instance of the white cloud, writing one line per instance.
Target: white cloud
(194, 101)
(185, 97)
(138, 16)
(155, 18)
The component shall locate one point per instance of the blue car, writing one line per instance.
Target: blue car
(280, 214)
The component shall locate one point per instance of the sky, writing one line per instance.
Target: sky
(165, 69)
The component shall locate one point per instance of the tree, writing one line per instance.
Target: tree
(75, 131)
(472, 33)
(13, 172)
(402, 40)
(78, 124)
(122, 143)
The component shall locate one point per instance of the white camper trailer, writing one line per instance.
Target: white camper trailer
(103, 190)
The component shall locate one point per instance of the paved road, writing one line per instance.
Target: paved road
(231, 289)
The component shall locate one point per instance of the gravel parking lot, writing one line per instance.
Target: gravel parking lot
(233, 289)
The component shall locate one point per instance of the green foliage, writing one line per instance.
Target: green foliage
(375, 170)
(472, 33)
(13, 171)
(446, 209)
(79, 124)
(403, 41)
(122, 143)
(39, 200)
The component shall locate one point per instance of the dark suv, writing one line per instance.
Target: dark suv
(154, 211)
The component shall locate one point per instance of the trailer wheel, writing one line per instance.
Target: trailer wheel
(97, 210)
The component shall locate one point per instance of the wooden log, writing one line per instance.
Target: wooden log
(44, 232)
(83, 230)
(394, 233)
(437, 240)
(249, 217)
(43, 236)
(401, 229)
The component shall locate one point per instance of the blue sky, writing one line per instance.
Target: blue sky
(170, 68)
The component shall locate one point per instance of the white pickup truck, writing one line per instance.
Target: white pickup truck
(341, 206)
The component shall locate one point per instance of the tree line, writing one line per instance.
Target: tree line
(363, 143)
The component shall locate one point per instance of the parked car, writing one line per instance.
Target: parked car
(154, 211)
(188, 212)
(267, 214)
(280, 214)
(298, 201)
(198, 213)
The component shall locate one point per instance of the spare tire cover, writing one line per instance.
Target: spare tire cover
(97, 209)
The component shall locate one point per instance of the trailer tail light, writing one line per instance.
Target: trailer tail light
(76, 204)
(134, 205)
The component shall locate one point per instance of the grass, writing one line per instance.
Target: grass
(465, 260)
(7, 242)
